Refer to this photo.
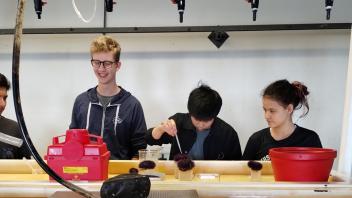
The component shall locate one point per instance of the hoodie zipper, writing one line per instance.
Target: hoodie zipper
(103, 122)
(103, 117)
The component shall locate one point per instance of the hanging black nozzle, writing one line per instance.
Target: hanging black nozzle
(38, 7)
(109, 4)
(181, 8)
(328, 6)
(255, 5)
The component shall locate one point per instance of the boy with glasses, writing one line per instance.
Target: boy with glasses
(108, 110)
(9, 127)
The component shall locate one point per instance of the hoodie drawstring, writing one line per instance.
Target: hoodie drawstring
(88, 115)
(116, 117)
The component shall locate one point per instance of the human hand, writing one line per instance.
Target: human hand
(169, 126)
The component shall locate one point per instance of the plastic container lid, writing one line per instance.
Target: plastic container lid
(302, 153)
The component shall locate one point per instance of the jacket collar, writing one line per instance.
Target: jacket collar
(189, 125)
(118, 98)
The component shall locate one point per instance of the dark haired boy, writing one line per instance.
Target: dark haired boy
(199, 133)
(9, 127)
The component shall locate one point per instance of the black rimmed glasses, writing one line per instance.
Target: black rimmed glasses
(106, 64)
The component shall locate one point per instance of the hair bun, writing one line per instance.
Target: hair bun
(301, 89)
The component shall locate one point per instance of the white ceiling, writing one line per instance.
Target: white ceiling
(131, 13)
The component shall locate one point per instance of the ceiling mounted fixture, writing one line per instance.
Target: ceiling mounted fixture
(254, 6)
(38, 4)
(218, 38)
(109, 5)
(180, 7)
(328, 7)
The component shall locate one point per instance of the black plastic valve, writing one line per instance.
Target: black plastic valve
(38, 7)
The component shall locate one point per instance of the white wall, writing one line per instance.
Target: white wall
(161, 70)
(345, 160)
(134, 13)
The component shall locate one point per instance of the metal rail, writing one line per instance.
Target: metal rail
(170, 29)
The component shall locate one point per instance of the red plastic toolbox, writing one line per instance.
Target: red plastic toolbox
(80, 157)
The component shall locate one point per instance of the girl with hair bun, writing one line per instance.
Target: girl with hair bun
(280, 99)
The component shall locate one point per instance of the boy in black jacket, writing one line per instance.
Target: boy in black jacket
(199, 133)
(9, 127)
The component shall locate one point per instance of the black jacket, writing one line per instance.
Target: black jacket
(10, 127)
(261, 142)
(222, 143)
(122, 125)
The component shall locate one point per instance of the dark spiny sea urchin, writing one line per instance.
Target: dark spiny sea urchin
(133, 171)
(185, 164)
(180, 156)
(147, 164)
(256, 166)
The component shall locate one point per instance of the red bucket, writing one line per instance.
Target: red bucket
(302, 163)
